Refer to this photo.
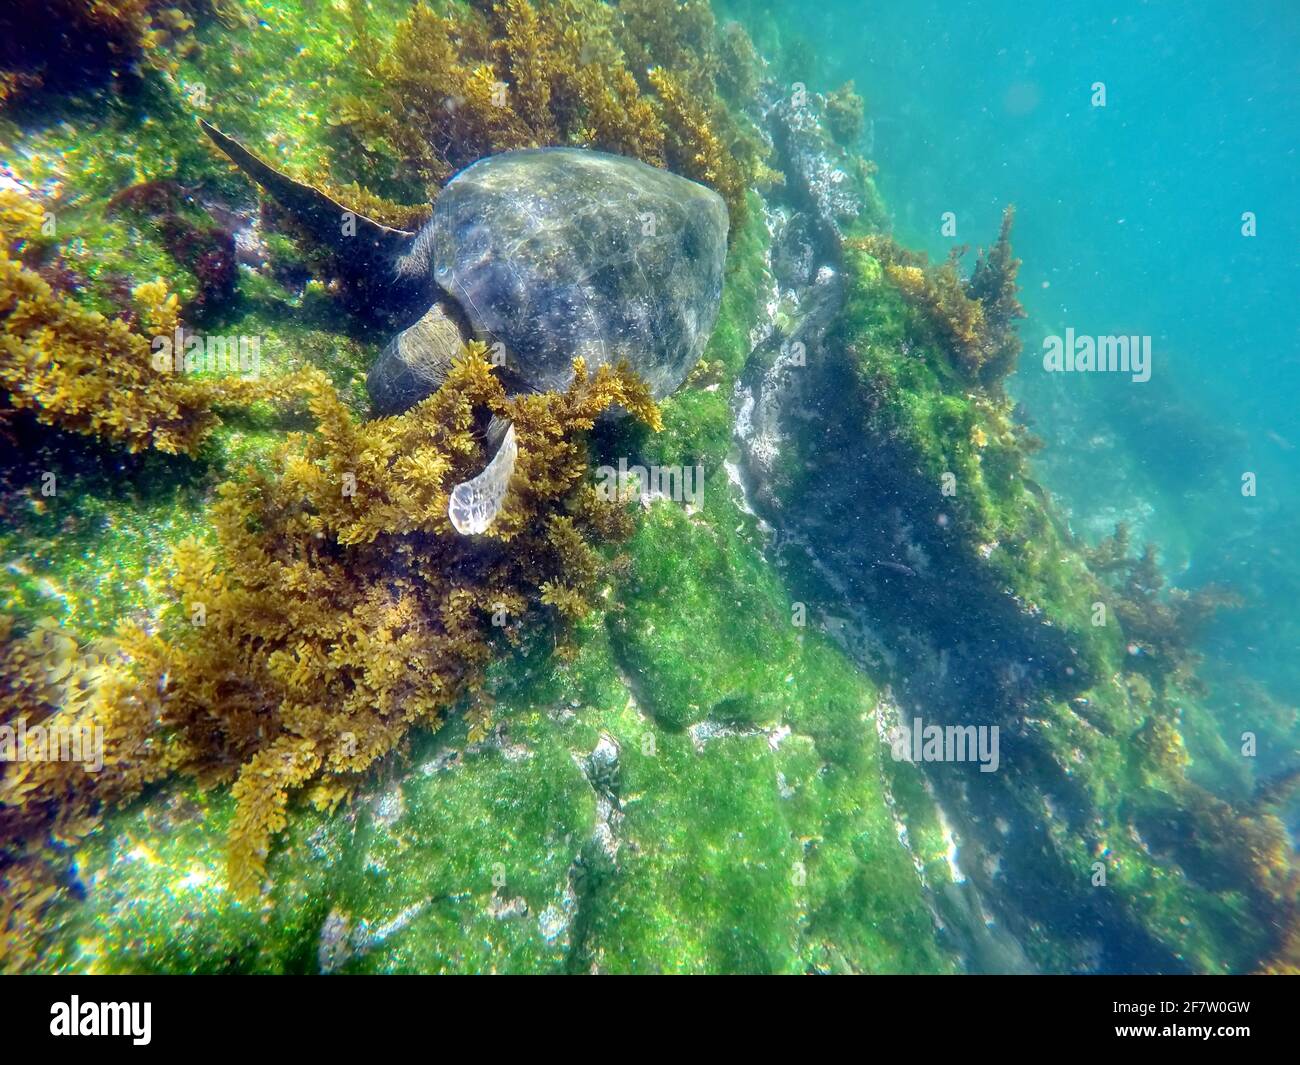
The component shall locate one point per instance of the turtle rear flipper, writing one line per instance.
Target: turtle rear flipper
(475, 503)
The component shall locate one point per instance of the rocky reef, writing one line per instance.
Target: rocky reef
(877, 405)
(629, 735)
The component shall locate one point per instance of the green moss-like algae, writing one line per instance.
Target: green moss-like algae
(754, 822)
(727, 848)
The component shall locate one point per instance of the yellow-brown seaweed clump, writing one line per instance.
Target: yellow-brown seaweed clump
(845, 114)
(1162, 625)
(84, 373)
(335, 608)
(1245, 844)
(638, 80)
(45, 672)
(974, 319)
(693, 148)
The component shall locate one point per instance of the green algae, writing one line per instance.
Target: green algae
(156, 899)
(754, 823)
(693, 604)
(756, 842)
(479, 857)
(87, 554)
(732, 852)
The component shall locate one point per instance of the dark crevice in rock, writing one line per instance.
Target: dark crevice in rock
(596, 864)
(861, 529)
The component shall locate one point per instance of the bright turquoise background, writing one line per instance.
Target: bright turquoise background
(1129, 222)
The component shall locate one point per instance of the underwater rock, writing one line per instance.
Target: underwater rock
(805, 256)
(777, 382)
(817, 170)
(843, 423)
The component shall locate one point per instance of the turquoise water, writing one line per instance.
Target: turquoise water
(1129, 221)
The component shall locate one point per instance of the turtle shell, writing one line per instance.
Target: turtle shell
(555, 253)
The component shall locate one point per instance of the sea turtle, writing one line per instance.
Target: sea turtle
(545, 254)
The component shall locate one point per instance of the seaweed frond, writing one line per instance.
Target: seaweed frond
(84, 373)
(1162, 625)
(336, 606)
(972, 319)
(845, 114)
(694, 148)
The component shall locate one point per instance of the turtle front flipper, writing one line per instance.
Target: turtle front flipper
(367, 250)
(475, 503)
(413, 366)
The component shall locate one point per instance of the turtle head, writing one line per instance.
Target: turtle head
(415, 363)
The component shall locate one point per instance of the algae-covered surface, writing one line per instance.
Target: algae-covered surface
(829, 683)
